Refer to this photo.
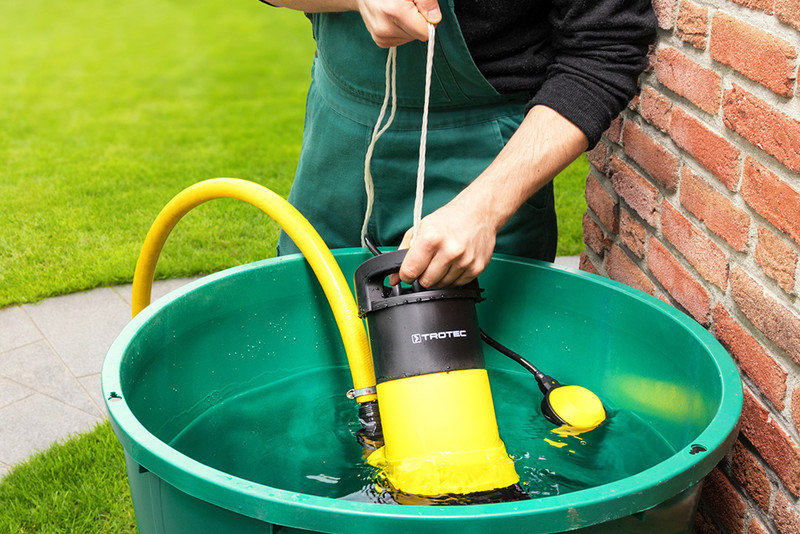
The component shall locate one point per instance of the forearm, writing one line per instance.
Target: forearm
(455, 243)
(316, 6)
(543, 146)
(389, 22)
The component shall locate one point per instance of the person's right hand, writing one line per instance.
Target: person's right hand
(396, 22)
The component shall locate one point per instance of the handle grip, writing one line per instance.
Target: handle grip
(370, 275)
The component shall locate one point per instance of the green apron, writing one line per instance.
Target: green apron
(469, 123)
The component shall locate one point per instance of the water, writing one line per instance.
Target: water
(298, 435)
(552, 462)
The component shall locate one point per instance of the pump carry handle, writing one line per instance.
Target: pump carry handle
(372, 294)
(370, 275)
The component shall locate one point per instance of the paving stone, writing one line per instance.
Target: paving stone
(35, 366)
(160, 288)
(36, 422)
(81, 326)
(4, 468)
(16, 329)
(11, 391)
(93, 386)
(573, 262)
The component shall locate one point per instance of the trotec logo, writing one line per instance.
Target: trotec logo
(419, 338)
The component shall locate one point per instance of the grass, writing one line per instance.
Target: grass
(73, 487)
(570, 207)
(108, 110)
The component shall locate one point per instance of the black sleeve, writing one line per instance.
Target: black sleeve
(600, 49)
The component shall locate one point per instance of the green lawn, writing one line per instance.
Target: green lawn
(108, 109)
(570, 207)
(77, 487)
(111, 108)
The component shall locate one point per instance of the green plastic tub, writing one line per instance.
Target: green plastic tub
(228, 398)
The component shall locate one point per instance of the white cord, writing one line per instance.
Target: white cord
(377, 132)
(424, 131)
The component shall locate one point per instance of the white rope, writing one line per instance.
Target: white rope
(423, 138)
(377, 132)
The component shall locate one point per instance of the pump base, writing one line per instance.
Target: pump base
(500, 495)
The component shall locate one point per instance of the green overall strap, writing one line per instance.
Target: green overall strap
(469, 123)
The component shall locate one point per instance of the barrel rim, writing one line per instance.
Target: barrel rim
(629, 495)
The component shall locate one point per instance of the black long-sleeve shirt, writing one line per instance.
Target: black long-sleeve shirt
(579, 57)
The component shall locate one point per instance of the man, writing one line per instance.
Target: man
(521, 88)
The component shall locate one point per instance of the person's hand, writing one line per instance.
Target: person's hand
(455, 242)
(396, 22)
(454, 245)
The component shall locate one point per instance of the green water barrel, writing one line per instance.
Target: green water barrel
(228, 398)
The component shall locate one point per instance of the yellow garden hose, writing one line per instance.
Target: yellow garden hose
(304, 235)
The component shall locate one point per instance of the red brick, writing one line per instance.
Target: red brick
(712, 151)
(702, 253)
(788, 11)
(718, 213)
(757, 54)
(597, 156)
(704, 524)
(620, 268)
(756, 527)
(632, 234)
(633, 105)
(754, 361)
(665, 10)
(602, 204)
(692, 24)
(720, 494)
(637, 192)
(656, 108)
(751, 475)
(772, 198)
(651, 60)
(615, 130)
(651, 155)
(772, 442)
(680, 284)
(796, 408)
(586, 264)
(761, 5)
(701, 86)
(594, 237)
(785, 515)
(754, 416)
(775, 320)
(776, 258)
(774, 132)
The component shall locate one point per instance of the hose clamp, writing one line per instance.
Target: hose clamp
(355, 393)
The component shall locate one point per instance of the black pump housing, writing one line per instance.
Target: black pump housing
(413, 330)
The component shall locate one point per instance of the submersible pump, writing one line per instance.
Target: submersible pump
(439, 430)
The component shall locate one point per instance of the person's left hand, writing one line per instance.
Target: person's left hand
(396, 22)
(454, 245)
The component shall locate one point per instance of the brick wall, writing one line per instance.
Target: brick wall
(694, 197)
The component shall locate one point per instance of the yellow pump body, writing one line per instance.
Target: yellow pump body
(441, 435)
